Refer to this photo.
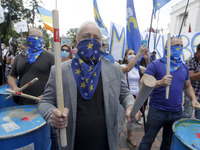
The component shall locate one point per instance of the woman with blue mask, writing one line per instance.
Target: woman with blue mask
(65, 53)
(132, 72)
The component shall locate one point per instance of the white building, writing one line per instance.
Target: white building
(192, 17)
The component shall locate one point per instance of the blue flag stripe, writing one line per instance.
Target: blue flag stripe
(133, 34)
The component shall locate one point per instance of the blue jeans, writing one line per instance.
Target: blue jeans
(54, 140)
(157, 119)
(197, 112)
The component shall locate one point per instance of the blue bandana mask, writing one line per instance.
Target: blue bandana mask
(64, 54)
(89, 50)
(86, 67)
(175, 57)
(34, 48)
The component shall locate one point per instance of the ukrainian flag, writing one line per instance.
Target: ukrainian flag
(98, 19)
(157, 4)
(46, 16)
(133, 33)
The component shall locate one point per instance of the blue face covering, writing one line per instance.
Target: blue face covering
(89, 50)
(175, 58)
(34, 48)
(64, 54)
(86, 67)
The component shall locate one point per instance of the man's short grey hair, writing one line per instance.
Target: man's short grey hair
(85, 24)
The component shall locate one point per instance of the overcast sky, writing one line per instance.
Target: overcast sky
(72, 13)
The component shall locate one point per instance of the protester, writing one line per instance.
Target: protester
(164, 112)
(22, 49)
(93, 87)
(153, 56)
(4, 49)
(65, 52)
(132, 72)
(194, 70)
(9, 58)
(34, 63)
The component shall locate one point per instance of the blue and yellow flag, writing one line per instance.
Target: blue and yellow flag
(98, 19)
(133, 33)
(47, 19)
(157, 4)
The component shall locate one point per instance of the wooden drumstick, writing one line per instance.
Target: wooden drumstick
(23, 87)
(168, 61)
(58, 73)
(197, 106)
(22, 95)
(146, 88)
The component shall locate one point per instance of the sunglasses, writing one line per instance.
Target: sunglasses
(67, 50)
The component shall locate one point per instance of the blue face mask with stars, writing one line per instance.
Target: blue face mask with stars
(86, 67)
(34, 48)
(175, 57)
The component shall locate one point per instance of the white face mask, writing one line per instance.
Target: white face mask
(130, 57)
(2, 47)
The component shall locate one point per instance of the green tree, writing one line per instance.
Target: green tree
(33, 11)
(72, 32)
(18, 12)
(46, 36)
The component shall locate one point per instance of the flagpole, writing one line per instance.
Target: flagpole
(56, 4)
(2, 70)
(150, 29)
(156, 31)
(183, 18)
(10, 22)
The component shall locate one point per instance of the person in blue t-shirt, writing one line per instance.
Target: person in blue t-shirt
(164, 112)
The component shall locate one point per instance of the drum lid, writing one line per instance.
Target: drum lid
(188, 132)
(19, 120)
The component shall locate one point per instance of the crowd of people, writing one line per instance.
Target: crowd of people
(97, 89)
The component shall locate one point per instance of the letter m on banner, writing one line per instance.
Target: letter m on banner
(117, 41)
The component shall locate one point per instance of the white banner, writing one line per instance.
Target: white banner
(117, 41)
(21, 26)
(190, 42)
(1, 14)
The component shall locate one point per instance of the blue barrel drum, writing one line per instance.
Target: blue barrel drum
(186, 134)
(23, 128)
(3, 94)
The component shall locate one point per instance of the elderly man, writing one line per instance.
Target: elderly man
(93, 88)
(164, 112)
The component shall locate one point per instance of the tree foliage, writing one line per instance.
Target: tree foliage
(72, 32)
(20, 9)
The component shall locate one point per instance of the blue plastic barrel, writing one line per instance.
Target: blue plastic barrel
(23, 128)
(3, 94)
(186, 134)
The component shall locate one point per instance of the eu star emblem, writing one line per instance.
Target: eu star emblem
(80, 61)
(89, 46)
(78, 71)
(83, 85)
(91, 87)
(95, 74)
